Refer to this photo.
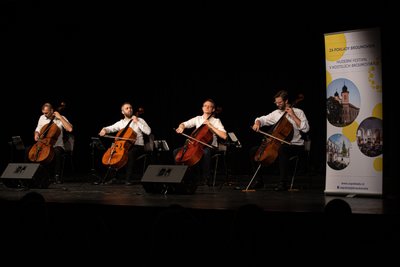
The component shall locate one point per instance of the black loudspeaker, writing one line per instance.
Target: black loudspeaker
(30, 175)
(169, 179)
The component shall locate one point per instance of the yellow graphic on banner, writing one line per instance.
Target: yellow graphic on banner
(328, 78)
(335, 46)
(372, 78)
(377, 111)
(350, 131)
(378, 164)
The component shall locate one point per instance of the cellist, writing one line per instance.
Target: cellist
(217, 130)
(298, 120)
(140, 127)
(48, 115)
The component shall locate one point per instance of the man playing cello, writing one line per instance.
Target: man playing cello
(50, 126)
(215, 128)
(139, 127)
(297, 118)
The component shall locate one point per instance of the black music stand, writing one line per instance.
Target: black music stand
(16, 145)
(229, 144)
(17, 142)
(95, 144)
(160, 147)
(233, 140)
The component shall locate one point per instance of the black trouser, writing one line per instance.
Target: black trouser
(58, 160)
(284, 154)
(134, 152)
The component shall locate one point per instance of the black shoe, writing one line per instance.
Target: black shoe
(110, 182)
(258, 184)
(281, 187)
(203, 181)
(207, 180)
(57, 179)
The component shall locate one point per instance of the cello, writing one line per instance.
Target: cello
(117, 155)
(281, 132)
(43, 151)
(192, 151)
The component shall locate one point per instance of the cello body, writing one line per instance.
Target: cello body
(117, 155)
(192, 151)
(268, 151)
(43, 151)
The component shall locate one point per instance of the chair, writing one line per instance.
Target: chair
(221, 152)
(296, 159)
(148, 151)
(69, 143)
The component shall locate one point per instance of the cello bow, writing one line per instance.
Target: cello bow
(194, 139)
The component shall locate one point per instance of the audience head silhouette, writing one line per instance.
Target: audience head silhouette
(337, 206)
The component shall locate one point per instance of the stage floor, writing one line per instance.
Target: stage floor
(225, 195)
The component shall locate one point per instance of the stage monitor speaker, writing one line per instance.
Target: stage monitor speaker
(25, 175)
(169, 179)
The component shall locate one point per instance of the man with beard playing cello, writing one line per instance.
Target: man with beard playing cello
(297, 118)
(139, 127)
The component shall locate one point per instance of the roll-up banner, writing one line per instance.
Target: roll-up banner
(354, 159)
